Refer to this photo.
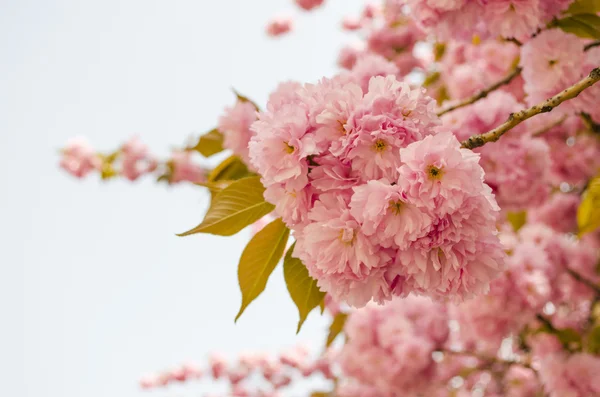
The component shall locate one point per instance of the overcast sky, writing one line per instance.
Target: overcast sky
(95, 289)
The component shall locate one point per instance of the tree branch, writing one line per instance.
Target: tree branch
(486, 359)
(547, 128)
(584, 280)
(481, 94)
(517, 118)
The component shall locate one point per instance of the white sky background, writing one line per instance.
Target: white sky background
(95, 288)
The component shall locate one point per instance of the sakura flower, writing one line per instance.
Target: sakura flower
(279, 26)
(235, 124)
(309, 4)
(136, 160)
(337, 253)
(279, 149)
(78, 158)
(551, 62)
(385, 214)
(185, 169)
(389, 347)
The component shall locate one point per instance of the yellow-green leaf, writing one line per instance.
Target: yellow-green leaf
(232, 168)
(259, 259)
(584, 7)
(210, 143)
(337, 326)
(302, 288)
(593, 340)
(581, 25)
(235, 207)
(588, 213)
(243, 98)
(517, 219)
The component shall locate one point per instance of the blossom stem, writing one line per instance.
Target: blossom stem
(517, 118)
(590, 124)
(490, 360)
(481, 94)
(547, 128)
(584, 280)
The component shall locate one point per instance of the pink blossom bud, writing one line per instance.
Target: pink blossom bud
(279, 26)
(351, 23)
(309, 4)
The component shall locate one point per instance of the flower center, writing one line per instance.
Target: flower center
(346, 236)
(288, 148)
(434, 172)
(380, 145)
(552, 62)
(395, 207)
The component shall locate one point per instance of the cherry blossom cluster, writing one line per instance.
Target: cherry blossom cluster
(463, 19)
(251, 374)
(390, 348)
(380, 204)
(131, 161)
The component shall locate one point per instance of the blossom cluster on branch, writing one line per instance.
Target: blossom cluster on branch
(443, 194)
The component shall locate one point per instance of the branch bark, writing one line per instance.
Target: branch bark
(583, 280)
(517, 118)
(481, 94)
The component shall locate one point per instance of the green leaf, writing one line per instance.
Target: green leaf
(431, 79)
(582, 25)
(232, 168)
(584, 7)
(259, 259)
(588, 213)
(593, 340)
(210, 143)
(235, 207)
(337, 325)
(570, 338)
(517, 219)
(302, 288)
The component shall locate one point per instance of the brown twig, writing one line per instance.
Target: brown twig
(584, 280)
(517, 118)
(481, 94)
(547, 128)
(591, 45)
(487, 359)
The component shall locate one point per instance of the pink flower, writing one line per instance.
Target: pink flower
(280, 147)
(184, 169)
(438, 174)
(587, 101)
(551, 62)
(136, 159)
(218, 365)
(558, 212)
(309, 4)
(518, 170)
(512, 18)
(460, 254)
(390, 116)
(235, 124)
(385, 214)
(389, 348)
(279, 26)
(574, 376)
(78, 158)
(335, 250)
(370, 65)
(349, 55)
